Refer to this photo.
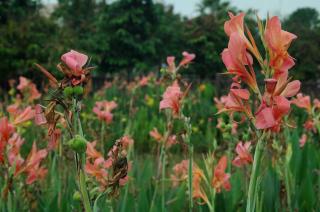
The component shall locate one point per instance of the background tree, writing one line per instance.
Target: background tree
(304, 23)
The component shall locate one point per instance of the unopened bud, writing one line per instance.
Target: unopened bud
(78, 90)
(78, 144)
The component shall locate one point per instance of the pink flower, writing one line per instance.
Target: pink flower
(6, 129)
(103, 110)
(236, 58)
(303, 102)
(28, 89)
(171, 99)
(143, 81)
(171, 64)
(220, 178)
(270, 117)
(237, 100)
(180, 172)
(187, 58)
(155, 134)
(14, 157)
(25, 115)
(303, 140)
(278, 42)
(220, 103)
(75, 61)
(235, 24)
(243, 155)
(39, 117)
(310, 125)
(54, 139)
(32, 165)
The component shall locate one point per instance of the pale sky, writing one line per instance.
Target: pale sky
(274, 7)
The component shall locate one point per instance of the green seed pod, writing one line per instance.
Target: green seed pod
(78, 144)
(78, 90)
(76, 196)
(68, 91)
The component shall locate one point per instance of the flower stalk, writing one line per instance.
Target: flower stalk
(251, 202)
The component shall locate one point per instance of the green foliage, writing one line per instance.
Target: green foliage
(132, 36)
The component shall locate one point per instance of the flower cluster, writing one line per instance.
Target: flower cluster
(239, 57)
(10, 157)
(103, 109)
(110, 172)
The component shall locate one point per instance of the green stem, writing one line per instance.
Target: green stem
(163, 173)
(254, 174)
(84, 193)
(80, 160)
(287, 181)
(190, 175)
(102, 135)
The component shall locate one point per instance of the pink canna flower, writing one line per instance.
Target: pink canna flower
(310, 125)
(143, 81)
(236, 58)
(303, 102)
(91, 152)
(234, 129)
(220, 178)
(6, 129)
(303, 140)
(25, 115)
(75, 62)
(270, 117)
(237, 100)
(39, 117)
(316, 103)
(220, 103)
(187, 58)
(32, 165)
(243, 155)
(97, 170)
(235, 24)
(171, 99)
(54, 139)
(198, 192)
(286, 88)
(14, 158)
(29, 89)
(171, 64)
(278, 42)
(180, 172)
(103, 110)
(156, 135)
(126, 141)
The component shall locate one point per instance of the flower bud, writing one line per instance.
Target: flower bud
(68, 91)
(76, 196)
(78, 90)
(270, 85)
(78, 144)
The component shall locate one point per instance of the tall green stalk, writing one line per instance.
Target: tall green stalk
(254, 174)
(80, 159)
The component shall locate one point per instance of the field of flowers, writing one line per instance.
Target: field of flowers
(161, 142)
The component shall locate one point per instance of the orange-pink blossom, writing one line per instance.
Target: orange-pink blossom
(171, 99)
(243, 154)
(220, 177)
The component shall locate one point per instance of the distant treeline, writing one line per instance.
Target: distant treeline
(133, 36)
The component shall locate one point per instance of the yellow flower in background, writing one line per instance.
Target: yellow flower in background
(201, 122)
(12, 91)
(202, 87)
(149, 101)
(195, 129)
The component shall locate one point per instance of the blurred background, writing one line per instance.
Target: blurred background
(134, 37)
